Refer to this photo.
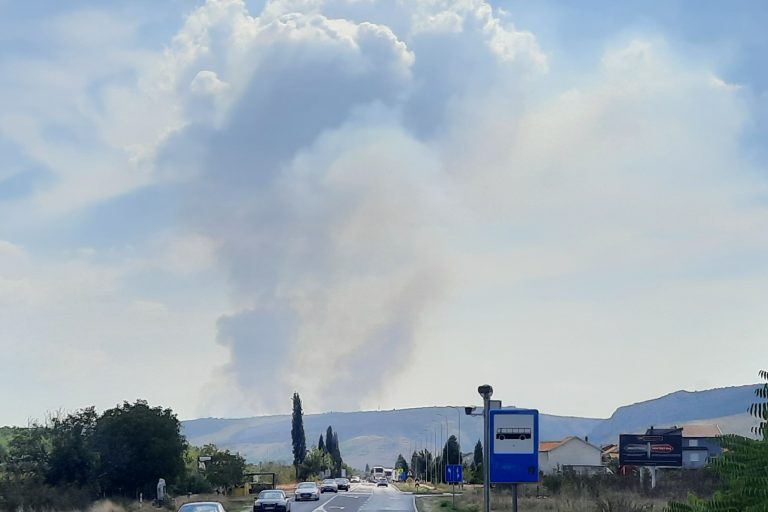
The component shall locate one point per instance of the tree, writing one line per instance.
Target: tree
(225, 469)
(329, 439)
(451, 451)
(314, 464)
(137, 445)
(367, 470)
(477, 464)
(29, 452)
(321, 444)
(297, 433)
(336, 456)
(72, 459)
(743, 468)
(420, 462)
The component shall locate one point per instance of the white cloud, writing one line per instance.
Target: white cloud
(392, 189)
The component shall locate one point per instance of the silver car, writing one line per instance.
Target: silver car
(329, 485)
(202, 506)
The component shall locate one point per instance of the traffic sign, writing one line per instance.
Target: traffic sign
(514, 453)
(454, 473)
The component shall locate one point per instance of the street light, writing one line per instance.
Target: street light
(445, 460)
(486, 391)
(426, 459)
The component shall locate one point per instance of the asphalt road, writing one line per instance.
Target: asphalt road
(360, 498)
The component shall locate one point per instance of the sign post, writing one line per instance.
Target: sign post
(454, 473)
(486, 391)
(514, 457)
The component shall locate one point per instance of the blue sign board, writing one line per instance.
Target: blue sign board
(514, 445)
(454, 473)
(651, 450)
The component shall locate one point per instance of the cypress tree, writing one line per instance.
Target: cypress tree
(297, 434)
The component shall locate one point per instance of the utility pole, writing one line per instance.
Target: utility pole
(486, 391)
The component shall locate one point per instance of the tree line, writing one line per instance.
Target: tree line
(124, 451)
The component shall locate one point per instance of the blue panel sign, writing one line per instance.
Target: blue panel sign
(514, 445)
(651, 450)
(454, 473)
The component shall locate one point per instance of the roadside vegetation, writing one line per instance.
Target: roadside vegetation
(317, 461)
(71, 460)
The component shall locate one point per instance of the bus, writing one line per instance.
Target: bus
(377, 472)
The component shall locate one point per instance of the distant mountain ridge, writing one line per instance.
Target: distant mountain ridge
(377, 437)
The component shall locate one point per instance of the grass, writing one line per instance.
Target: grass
(471, 501)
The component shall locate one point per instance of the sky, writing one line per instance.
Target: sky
(380, 203)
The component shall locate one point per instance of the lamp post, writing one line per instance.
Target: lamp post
(445, 460)
(486, 391)
(426, 458)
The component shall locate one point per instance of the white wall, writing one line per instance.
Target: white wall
(573, 453)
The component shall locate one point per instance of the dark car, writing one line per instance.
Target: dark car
(272, 501)
(342, 484)
(202, 506)
(382, 482)
(306, 491)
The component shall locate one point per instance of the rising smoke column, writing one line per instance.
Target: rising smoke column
(313, 143)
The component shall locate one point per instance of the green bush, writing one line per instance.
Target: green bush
(33, 495)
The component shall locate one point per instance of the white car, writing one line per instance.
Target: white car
(306, 491)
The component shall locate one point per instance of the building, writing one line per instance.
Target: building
(570, 454)
(700, 442)
(610, 453)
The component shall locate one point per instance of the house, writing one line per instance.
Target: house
(699, 441)
(610, 453)
(570, 454)
(700, 444)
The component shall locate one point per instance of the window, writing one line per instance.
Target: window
(693, 442)
(695, 457)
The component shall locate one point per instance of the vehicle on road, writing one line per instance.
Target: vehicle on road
(355, 480)
(272, 500)
(306, 491)
(382, 482)
(342, 484)
(376, 473)
(329, 485)
(202, 506)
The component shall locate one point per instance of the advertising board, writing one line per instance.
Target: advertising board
(651, 450)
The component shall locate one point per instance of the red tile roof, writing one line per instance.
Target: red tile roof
(548, 446)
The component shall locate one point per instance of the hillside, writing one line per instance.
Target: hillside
(376, 437)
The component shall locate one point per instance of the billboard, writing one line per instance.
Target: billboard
(651, 450)
(514, 447)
